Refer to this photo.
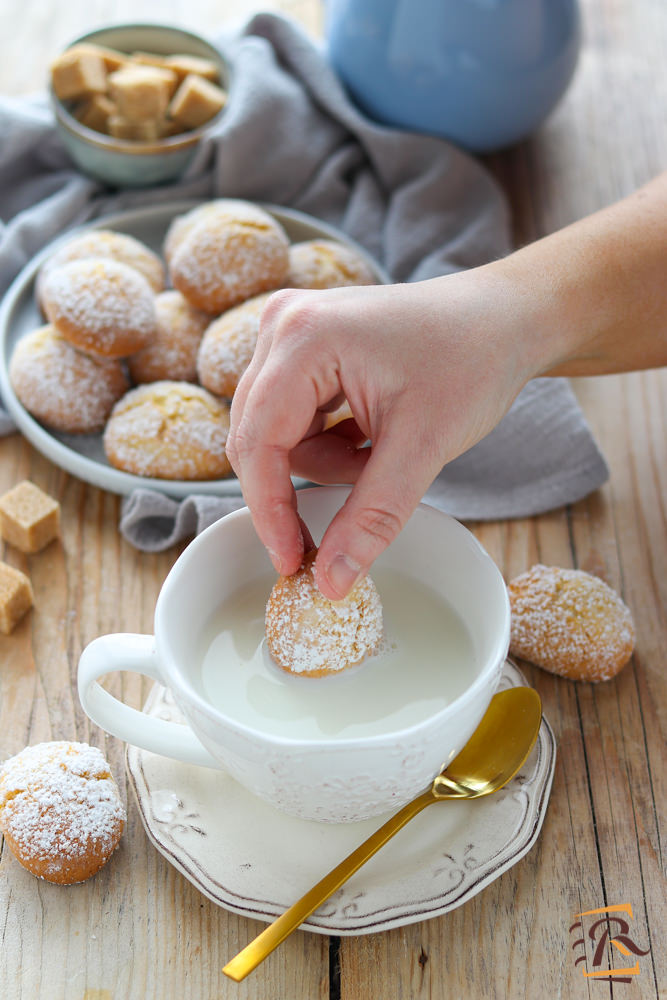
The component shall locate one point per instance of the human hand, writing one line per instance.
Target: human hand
(429, 368)
(426, 370)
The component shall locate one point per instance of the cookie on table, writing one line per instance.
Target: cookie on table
(61, 387)
(108, 244)
(228, 345)
(172, 354)
(60, 810)
(226, 253)
(169, 430)
(326, 264)
(100, 306)
(570, 623)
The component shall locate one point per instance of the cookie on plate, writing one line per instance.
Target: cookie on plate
(326, 264)
(169, 430)
(229, 251)
(228, 345)
(106, 243)
(100, 306)
(61, 387)
(172, 354)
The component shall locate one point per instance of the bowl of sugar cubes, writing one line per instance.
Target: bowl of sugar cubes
(133, 101)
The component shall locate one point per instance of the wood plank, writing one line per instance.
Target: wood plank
(139, 929)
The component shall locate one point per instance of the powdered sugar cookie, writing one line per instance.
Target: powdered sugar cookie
(569, 622)
(310, 635)
(100, 306)
(106, 243)
(172, 354)
(62, 387)
(182, 225)
(227, 254)
(228, 345)
(169, 430)
(60, 811)
(326, 264)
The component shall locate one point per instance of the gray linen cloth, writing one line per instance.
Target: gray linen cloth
(422, 207)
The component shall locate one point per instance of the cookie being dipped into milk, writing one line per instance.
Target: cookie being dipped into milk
(337, 748)
(309, 635)
(390, 654)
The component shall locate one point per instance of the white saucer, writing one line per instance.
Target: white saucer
(83, 455)
(255, 861)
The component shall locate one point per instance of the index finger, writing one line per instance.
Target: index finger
(277, 414)
(262, 348)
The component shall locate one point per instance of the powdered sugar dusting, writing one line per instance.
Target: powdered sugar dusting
(182, 225)
(171, 430)
(101, 305)
(231, 254)
(64, 388)
(107, 243)
(569, 622)
(309, 634)
(59, 800)
(173, 352)
(326, 264)
(228, 345)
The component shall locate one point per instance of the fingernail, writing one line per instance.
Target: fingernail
(342, 573)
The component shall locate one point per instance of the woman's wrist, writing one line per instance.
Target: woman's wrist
(539, 309)
(591, 298)
(506, 303)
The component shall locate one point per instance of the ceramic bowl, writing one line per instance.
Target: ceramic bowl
(316, 778)
(482, 74)
(124, 163)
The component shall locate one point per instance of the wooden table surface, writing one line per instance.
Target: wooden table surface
(139, 929)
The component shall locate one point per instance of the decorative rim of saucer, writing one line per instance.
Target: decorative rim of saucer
(214, 832)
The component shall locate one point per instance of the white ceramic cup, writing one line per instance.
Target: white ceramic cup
(340, 780)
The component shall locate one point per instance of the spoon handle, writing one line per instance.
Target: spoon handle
(269, 939)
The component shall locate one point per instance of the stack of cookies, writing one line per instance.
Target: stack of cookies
(149, 349)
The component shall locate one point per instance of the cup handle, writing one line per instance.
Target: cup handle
(126, 651)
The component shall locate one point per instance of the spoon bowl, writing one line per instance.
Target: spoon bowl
(492, 756)
(497, 748)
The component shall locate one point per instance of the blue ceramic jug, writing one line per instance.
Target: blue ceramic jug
(483, 73)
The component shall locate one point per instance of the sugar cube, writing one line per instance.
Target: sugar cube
(15, 597)
(29, 517)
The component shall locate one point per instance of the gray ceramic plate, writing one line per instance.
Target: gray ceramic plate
(255, 861)
(82, 455)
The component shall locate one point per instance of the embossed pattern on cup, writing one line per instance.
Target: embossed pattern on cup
(327, 780)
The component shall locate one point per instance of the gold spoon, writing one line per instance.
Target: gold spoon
(493, 754)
